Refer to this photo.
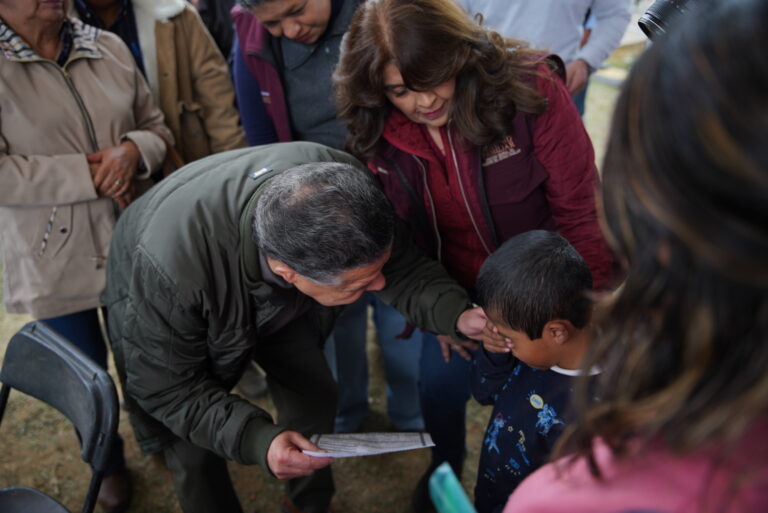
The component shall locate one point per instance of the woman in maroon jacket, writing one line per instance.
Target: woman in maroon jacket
(475, 139)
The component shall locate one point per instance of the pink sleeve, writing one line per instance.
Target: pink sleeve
(563, 147)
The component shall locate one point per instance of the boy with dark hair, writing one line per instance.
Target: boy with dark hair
(534, 291)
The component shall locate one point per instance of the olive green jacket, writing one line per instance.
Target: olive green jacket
(186, 300)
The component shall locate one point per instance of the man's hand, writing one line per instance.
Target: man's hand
(286, 460)
(113, 169)
(471, 322)
(462, 347)
(576, 75)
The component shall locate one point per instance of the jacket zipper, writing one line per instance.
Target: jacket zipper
(464, 194)
(483, 198)
(432, 208)
(81, 106)
(99, 259)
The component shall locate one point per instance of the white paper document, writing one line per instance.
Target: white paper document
(348, 445)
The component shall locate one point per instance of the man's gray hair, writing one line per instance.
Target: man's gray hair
(323, 219)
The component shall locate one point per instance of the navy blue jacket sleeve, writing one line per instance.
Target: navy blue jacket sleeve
(256, 122)
(489, 372)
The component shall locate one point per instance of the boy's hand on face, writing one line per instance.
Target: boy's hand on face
(493, 341)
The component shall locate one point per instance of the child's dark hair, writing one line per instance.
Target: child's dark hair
(534, 278)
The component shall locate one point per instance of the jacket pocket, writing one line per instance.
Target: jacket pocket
(61, 231)
(48, 265)
(504, 185)
(194, 143)
(35, 232)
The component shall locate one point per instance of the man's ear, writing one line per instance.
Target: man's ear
(558, 331)
(283, 270)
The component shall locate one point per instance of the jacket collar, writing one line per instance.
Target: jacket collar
(254, 36)
(341, 16)
(249, 252)
(407, 136)
(83, 43)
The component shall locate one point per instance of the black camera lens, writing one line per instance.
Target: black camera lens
(655, 21)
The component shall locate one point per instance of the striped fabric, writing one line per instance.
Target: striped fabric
(84, 37)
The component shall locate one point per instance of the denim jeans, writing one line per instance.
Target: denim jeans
(346, 355)
(444, 391)
(580, 100)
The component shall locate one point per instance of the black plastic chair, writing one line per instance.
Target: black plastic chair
(43, 364)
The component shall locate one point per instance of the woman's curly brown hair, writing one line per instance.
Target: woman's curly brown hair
(430, 42)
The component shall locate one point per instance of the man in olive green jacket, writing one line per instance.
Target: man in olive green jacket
(249, 255)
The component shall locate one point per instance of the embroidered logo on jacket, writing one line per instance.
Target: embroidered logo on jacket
(498, 152)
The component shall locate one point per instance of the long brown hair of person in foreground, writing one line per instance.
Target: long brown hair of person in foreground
(683, 344)
(430, 42)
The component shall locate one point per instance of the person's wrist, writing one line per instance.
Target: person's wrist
(588, 67)
(457, 333)
(141, 166)
(130, 145)
(460, 336)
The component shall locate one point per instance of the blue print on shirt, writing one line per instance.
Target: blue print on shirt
(547, 418)
(493, 432)
(521, 448)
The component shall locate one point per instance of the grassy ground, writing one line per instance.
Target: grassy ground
(39, 448)
(625, 56)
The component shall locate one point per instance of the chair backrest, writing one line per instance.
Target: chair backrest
(43, 364)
